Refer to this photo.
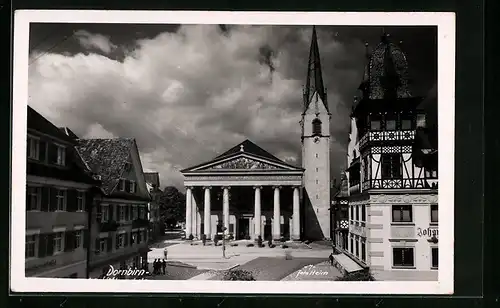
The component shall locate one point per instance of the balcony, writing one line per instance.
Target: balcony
(375, 137)
(401, 183)
(108, 226)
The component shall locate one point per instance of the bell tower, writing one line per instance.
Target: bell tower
(315, 124)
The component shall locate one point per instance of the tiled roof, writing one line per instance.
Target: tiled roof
(37, 122)
(107, 158)
(152, 178)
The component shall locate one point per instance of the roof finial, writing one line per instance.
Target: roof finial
(241, 148)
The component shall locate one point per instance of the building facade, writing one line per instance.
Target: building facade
(58, 198)
(155, 221)
(392, 184)
(118, 218)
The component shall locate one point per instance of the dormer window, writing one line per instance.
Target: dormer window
(132, 187)
(121, 185)
(316, 126)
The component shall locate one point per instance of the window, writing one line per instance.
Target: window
(391, 166)
(102, 245)
(357, 212)
(363, 212)
(317, 169)
(31, 246)
(406, 123)
(61, 200)
(363, 251)
(357, 248)
(421, 122)
(135, 212)
(33, 198)
(434, 258)
(390, 122)
(352, 245)
(316, 126)
(132, 187)
(317, 155)
(352, 212)
(58, 242)
(104, 213)
(402, 257)
(430, 174)
(121, 213)
(134, 238)
(33, 148)
(434, 213)
(61, 155)
(80, 201)
(375, 122)
(78, 238)
(366, 176)
(120, 241)
(402, 213)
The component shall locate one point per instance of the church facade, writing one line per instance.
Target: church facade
(250, 193)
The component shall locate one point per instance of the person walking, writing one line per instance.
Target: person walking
(165, 253)
(164, 266)
(155, 267)
(331, 258)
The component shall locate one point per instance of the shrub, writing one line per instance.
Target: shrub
(284, 246)
(363, 275)
(216, 239)
(191, 237)
(204, 239)
(238, 274)
(282, 239)
(250, 245)
(234, 244)
(230, 237)
(247, 237)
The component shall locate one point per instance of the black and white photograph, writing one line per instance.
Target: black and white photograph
(245, 152)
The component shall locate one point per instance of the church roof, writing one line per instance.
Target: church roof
(386, 73)
(246, 147)
(38, 123)
(107, 158)
(314, 81)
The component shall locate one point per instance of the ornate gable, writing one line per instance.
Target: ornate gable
(243, 163)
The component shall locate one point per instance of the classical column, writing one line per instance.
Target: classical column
(277, 215)
(257, 212)
(194, 215)
(225, 208)
(296, 214)
(189, 211)
(207, 214)
(198, 222)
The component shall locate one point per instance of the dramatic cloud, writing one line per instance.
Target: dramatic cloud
(188, 95)
(94, 41)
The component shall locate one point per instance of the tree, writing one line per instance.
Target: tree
(172, 206)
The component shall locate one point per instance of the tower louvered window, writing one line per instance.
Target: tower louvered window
(316, 123)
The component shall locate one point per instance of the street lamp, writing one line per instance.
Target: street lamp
(224, 242)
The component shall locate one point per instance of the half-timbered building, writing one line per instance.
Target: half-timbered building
(392, 179)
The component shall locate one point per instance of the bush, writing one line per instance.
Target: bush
(247, 237)
(259, 241)
(191, 237)
(284, 246)
(230, 237)
(204, 239)
(363, 275)
(234, 244)
(282, 239)
(250, 245)
(237, 274)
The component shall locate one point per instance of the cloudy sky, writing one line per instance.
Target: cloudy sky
(187, 93)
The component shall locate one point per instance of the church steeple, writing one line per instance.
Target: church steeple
(314, 82)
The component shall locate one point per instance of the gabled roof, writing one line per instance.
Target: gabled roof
(246, 149)
(107, 158)
(38, 123)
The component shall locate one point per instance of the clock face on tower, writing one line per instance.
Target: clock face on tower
(316, 139)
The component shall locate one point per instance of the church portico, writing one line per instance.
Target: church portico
(237, 187)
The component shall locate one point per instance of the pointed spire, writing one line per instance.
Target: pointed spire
(391, 80)
(314, 83)
(365, 84)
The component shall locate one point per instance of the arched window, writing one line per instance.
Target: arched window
(316, 123)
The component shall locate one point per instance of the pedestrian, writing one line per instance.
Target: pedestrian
(165, 253)
(155, 267)
(331, 259)
(164, 266)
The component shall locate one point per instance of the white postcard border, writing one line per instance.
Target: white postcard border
(446, 119)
